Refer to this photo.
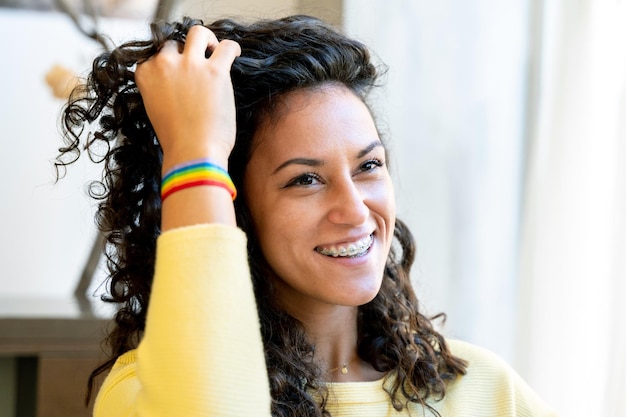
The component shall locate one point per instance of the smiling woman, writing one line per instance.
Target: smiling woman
(310, 251)
(333, 193)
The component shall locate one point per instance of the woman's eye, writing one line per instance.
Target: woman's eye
(304, 180)
(371, 165)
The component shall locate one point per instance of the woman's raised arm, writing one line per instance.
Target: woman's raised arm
(189, 100)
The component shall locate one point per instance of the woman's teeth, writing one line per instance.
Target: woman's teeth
(352, 250)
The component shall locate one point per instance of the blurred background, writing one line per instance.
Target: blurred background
(506, 121)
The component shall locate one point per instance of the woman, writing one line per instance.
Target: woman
(280, 292)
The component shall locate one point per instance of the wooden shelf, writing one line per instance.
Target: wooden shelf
(36, 336)
(56, 345)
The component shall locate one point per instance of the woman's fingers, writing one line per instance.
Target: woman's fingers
(225, 53)
(189, 99)
(199, 39)
(168, 51)
(171, 47)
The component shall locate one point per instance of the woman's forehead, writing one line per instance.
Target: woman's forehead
(299, 107)
(317, 122)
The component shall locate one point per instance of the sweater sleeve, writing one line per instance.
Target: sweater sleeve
(201, 354)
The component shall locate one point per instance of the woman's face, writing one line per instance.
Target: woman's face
(321, 199)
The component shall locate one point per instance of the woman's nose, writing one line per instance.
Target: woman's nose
(347, 205)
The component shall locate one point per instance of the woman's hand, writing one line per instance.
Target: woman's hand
(189, 98)
(190, 102)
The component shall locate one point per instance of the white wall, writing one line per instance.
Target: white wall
(453, 103)
(47, 228)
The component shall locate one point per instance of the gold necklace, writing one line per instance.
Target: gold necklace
(343, 368)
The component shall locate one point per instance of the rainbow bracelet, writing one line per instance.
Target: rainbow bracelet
(195, 173)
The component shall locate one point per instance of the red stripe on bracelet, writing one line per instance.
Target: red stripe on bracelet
(190, 184)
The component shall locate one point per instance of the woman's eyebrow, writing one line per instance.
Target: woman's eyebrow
(299, 161)
(316, 162)
(369, 148)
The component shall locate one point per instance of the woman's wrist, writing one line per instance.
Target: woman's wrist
(197, 205)
(201, 197)
(184, 153)
(172, 161)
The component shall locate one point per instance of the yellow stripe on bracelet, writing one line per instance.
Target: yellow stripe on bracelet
(196, 173)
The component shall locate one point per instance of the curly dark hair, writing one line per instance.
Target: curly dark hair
(278, 56)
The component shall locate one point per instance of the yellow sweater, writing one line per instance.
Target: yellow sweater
(202, 354)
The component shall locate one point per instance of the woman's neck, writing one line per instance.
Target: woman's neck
(333, 331)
